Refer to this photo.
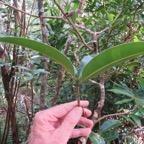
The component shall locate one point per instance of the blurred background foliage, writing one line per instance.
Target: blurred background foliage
(38, 83)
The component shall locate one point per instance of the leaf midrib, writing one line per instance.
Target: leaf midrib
(108, 65)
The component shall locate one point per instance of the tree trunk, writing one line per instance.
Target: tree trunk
(11, 117)
(44, 61)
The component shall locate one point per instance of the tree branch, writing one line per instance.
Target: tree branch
(73, 26)
(32, 15)
(112, 115)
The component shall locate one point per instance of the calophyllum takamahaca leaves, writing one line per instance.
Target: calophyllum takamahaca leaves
(46, 50)
(94, 66)
(85, 60)
(109, 58)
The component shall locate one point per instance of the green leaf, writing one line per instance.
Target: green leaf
(128, 119)
(111, 57)
(142, 30)
(138, 100)
(85, 60)
(139, 112)
(73, 32)
(109, 124)
(141, 82)
(76, 4)
(103, 21)
(110, 135)
(59, 1)
(73, 17)
(132, 65)
(27, 76)
(53, 8)
(47, 50)
(136, 119)
(135, 39)
(89, 20)
(96, 138)
(121, 91)
(110, 17)
(45, 4)
(123, 101)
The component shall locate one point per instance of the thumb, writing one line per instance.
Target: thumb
(67, 126)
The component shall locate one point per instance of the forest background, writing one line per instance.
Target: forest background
(82, 30)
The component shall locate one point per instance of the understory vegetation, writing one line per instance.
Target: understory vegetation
(58, 51)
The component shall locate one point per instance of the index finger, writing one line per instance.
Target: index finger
(61, 110)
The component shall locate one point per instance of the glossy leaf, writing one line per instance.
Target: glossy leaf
(85, 60)
(110, 135)
(139, 100)
(121, 91)
(46, 50)
(123, 101)
(96, 139)
(111, 57)
(109, 124)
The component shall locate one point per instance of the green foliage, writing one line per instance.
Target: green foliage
(112, 29)
(110, 135)
(92, 66)
(109, 124)
(139, 100)
(44, 49)
(108, 132)
(141, 82)
(96, 138)
(111, 57)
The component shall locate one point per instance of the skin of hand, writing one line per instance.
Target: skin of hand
(57, 124)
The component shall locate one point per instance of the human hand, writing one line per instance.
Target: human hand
(56, 125)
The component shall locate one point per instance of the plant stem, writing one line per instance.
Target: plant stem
(78, 95)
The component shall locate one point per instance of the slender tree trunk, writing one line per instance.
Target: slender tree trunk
(11, 117)
(44, 61)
